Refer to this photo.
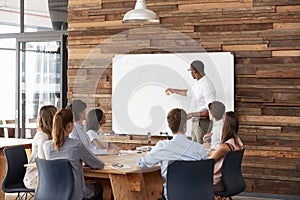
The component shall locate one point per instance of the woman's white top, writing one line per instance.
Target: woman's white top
(216, 134)
(31, 175)
(93, 135)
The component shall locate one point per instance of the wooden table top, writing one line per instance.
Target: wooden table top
(27, 125)
(127, 164)
(8, 142)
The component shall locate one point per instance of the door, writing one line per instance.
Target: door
(41, 78)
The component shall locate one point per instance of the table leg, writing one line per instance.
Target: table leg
(124, 187)
(137, 186)
(154, 183)
(107, 192)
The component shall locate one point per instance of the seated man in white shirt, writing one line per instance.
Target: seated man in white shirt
(179, 148)
(78, 108)
(216, 111)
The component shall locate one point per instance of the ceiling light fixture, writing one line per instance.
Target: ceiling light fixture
(140, 13)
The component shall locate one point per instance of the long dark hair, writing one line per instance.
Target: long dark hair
(93, 118)
(230, 127)
(45, 119)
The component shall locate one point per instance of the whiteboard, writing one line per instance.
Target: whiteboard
(139, 81)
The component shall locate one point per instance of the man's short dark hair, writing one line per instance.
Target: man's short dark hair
(77, 107)
(198, 66)
(217, 109)
(177, 119)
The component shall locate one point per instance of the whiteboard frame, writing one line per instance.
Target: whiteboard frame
(138, 73)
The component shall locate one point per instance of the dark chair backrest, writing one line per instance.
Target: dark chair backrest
(56, 179)
(233, 179)
(192, 180)
(15, 157)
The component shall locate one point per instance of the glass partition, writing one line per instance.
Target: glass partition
(7, 78)
(42, 78)
(40, 75)
(33, 65)
(9, 16)
(38, 15)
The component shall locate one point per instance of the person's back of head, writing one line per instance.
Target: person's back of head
(45, 119)
(77, 107)
(61, 124)
(230, 126)
(93, 118)
(177, 120)
(217, 109)
(198, 66)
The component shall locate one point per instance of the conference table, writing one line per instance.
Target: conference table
(29, 126)
(122, 178)
(13, 125)
(9, 142)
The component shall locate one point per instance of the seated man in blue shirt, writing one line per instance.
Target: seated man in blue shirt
(179, 148)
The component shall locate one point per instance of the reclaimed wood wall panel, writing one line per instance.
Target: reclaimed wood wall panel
(264, 35)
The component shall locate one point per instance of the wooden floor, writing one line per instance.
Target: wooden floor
(247, 196)
(261, 196)
(255, 198)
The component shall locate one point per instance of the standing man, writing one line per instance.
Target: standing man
(202, 93)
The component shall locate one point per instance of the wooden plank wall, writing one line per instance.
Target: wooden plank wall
(264, 35)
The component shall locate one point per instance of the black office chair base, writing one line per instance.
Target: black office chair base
(24, 196)
(223, 198)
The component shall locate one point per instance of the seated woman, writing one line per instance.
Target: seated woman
(93, 123)
(230, 142)
(44, 129)
(62, 146)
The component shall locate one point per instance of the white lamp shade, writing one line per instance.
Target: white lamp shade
(140, 14)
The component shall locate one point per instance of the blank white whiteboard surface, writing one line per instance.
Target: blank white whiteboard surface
(139, 81)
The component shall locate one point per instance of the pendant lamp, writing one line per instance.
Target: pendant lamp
(140, 14)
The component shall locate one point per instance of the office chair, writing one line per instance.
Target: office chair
(192, 180)
(232, 177)
(56, 179)
(15, 171)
